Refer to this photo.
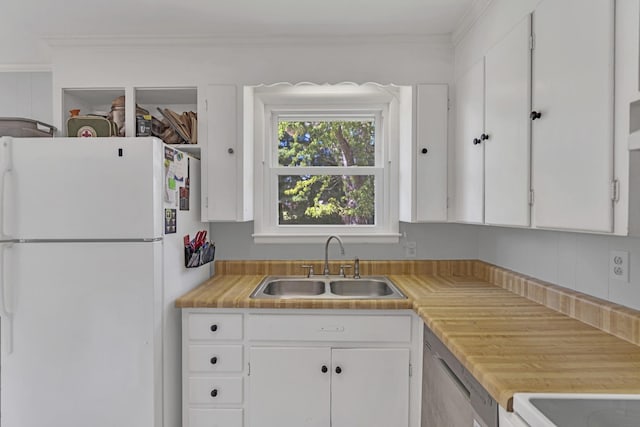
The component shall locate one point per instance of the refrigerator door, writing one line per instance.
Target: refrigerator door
(81, 188)
(87, 336)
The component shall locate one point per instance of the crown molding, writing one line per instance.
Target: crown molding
(240, 40)
(468, 20)
(25, 68)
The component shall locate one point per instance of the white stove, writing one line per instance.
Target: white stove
(578, 410)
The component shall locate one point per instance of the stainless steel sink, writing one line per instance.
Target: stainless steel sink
(331, 287)
(296, 287)
(361, 288)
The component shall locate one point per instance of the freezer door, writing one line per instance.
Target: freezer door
(82, 188)
(86, 335)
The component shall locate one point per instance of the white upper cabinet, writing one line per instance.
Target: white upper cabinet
(226, 192)
(507, 143)
(423, 158)
(572, 140)
(469, 149)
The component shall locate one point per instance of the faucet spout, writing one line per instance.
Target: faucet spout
(325, 270)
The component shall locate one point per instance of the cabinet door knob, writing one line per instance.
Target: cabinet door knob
(214, 392)
(214, 328)
(324, 369)
(476, 141)
(535, 115)
(214, 360)
(338, 370)
(230, 150)
(424, 151)
(484, 137)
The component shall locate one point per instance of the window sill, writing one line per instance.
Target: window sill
(321, 238)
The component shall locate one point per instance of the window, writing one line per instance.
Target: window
(325, 162)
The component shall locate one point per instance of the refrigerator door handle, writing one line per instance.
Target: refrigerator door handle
(5, 312)
(6, 170)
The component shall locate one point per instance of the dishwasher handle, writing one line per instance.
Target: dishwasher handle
(452, 376)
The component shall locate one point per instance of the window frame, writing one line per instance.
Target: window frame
(273, 103)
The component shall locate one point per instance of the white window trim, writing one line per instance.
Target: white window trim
(270, 102)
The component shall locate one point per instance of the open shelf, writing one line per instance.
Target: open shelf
(178, 100)
(88, 101)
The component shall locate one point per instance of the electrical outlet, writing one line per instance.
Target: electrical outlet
(619, 266)
(410, 249)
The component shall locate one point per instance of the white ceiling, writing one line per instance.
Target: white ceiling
(24, 21)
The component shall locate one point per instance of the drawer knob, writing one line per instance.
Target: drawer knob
(214, 360)
(535, 115)
(324, 369)
(214, 392)
(338, 370)
(425, 151)
(214, 328)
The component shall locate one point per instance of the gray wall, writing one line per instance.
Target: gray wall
(573, 260)
(434, 241)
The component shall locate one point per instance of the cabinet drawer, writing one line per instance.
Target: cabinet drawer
(215, 390)
(215, 326)
(215, 417)
(282, 327)
(215, 358)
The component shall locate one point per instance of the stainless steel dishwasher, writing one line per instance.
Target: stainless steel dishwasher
(451, 396)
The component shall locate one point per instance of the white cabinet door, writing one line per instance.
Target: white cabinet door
(225, 190)
(370, 387)
(288, 387)
(423, 155)
(507, 108)
(469, 150)
(572, 141)
(431, 152)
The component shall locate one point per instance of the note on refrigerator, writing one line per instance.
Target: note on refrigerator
(170, 186)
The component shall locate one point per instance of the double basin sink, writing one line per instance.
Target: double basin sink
(336, 287)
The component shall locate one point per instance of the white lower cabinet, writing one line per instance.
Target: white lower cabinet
(370, 387)
(290, 386)
(322, 387)
(213, 369)
(301, 368)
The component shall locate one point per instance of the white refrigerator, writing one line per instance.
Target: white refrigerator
(91, 261)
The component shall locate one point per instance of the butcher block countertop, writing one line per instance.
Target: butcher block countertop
(514, 333)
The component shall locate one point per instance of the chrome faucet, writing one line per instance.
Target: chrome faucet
(325, 270)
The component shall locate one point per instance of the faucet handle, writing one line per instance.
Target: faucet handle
(342, 267)
(309, 268)
(356, 268)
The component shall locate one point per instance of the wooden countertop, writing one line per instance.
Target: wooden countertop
(510, 343)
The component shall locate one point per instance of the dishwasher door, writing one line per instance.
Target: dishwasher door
(446, 400)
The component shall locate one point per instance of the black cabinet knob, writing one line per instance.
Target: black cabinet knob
(324, 369)
(230, 151)
(214, 360)
(476, 141)
(484, 137)
(338, 370)
(424, 151)
(535, 115)
(214, 328)
(214, 392)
